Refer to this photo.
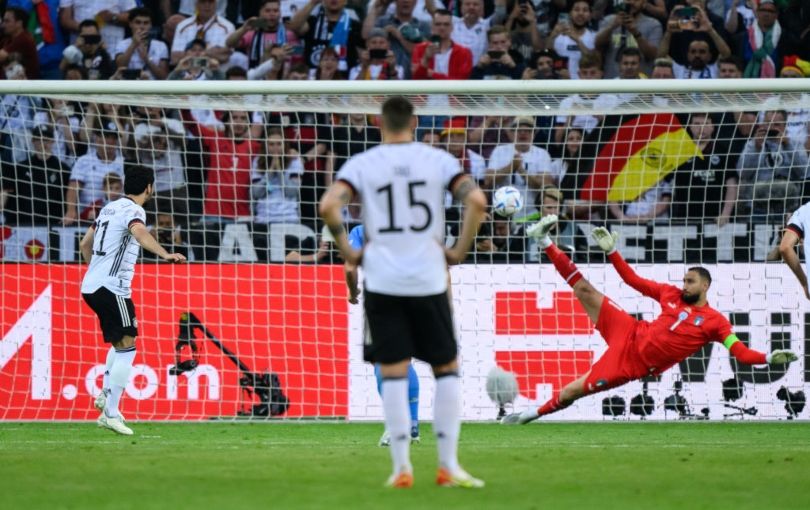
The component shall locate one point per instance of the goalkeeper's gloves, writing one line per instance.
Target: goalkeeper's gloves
(781, 357)
(606, 240)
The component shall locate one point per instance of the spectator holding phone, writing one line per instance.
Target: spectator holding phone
(205, 25)
(88, 53)
(547, 65)
(259, 34)
(571, 36)
(689, 23)
(628, 28)
(470, 29)
(403, 29)
(526, 38)
(141, 51)
(500, 62)
(377, 61)
(195, 65)
(440, 58)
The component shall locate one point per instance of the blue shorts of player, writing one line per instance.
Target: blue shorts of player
(413, 395)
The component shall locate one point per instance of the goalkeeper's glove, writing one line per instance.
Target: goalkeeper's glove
(781, 357)
(606, 240)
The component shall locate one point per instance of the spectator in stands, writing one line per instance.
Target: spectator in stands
(705, 186)
(500, 62)
(795, 22)
(729, 67)
(75, 72)
(332, 26)
(770, 157)
(273, 64)
(656, 9)
(520, 164)
(17, 40)
(16, 120)
(442, 59)
(498, 241)
(653, 204)
(205, 25)
(142, 51)
(630, 64)
(377, 61)
(545, 66)
(328, 66)
(550, 200)
(663, 69)
(454, 140)
(112, 17)
(432, 138)
(470, 29)
(526, 38)
(401, 27)
(572, 38)
(345, 139)
(628, 28)
(37, 187)
(276, 181)
(740, 16)
(761, 45)
(798, 120)
(230, 158)
(195, 65)
(689, 21)
(259, 34)
(486, 133)
(43, 23)
(113, 189)
(701, 56)
(64, 119)
(88, 53)
(169, 234)
(86, 186)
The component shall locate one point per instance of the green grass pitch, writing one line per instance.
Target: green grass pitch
(618, 465)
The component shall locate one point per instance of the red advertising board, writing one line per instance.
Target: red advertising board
(291, 320)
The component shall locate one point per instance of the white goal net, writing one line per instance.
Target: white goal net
(258, 324)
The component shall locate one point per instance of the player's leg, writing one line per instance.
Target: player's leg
(385, 439)
(101, 398)
(590, 298)
(413, 402)
(389, 345)
(436, 344)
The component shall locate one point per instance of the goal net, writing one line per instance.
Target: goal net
(258, 326)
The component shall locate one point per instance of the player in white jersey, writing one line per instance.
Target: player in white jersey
(401, 184)
(798, 228)
(111, 246)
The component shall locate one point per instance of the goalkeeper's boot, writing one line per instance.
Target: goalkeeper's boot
(415, 439)
(401, 480)
(115, 424)
(520, 418)
(385, 439)
(541, 229)
(101, 402)
(460, 478)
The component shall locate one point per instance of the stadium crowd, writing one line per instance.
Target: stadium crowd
(62, 161)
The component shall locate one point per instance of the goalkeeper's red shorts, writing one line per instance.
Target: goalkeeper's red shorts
(621, 363)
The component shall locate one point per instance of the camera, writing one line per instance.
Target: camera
(620, 6)
(91, 39)
(495, 55)
(259, 24)
(377, 54)
(435, 39)
(199, 62)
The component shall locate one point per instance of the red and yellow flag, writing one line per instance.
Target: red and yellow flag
(641, 152)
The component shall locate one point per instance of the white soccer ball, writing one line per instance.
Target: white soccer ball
(502, 386)
(506, 201)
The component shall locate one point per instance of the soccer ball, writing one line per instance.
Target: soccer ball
(502, 386)
(507, 201)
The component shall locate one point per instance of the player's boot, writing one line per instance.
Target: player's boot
(101, 402)
(541, 229)
(415, 439)
(461, 478)
(403, 480)
(385, 439)
(520, 418)
(115, 424)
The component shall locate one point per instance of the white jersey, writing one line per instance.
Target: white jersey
(115, 251)
(402, 190)
(800, 224)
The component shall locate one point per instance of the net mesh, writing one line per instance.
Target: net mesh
(258, 324)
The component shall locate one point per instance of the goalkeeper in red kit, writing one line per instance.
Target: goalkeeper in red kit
(638, 348)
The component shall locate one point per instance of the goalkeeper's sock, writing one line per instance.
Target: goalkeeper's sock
(107, 367)
(413, 399)
(119, 377)
(552, 406)
(397, 422)
(447, 419)
(564, 265)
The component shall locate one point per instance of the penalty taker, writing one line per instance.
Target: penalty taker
(638, 348)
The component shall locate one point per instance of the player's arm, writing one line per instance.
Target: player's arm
(753, 357)
(468, 193)
(149, 243)
(607, 241)
(338, 195)
(86, 244)
(788, 252)
(350, 271)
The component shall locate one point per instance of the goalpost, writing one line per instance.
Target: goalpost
(689, 172)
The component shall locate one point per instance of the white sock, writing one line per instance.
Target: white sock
(447, 420)
(119, 377)
(544, 242)
(398, 422)
(105, 387)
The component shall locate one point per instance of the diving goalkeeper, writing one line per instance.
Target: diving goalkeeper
(638, 348)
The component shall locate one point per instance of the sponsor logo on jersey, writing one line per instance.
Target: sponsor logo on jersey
(698, 320)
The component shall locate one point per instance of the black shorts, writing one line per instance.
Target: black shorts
(399, 328)
(116, 314)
